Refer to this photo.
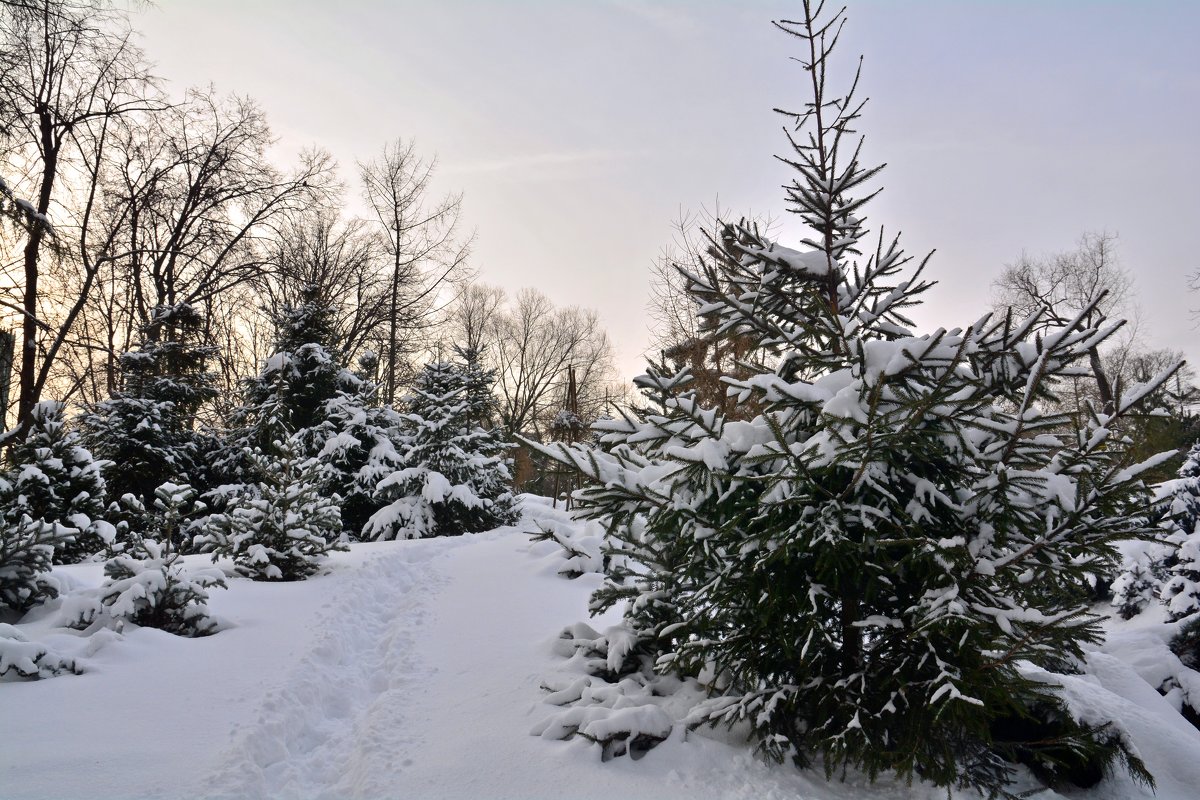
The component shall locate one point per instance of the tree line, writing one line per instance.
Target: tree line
(120, 200)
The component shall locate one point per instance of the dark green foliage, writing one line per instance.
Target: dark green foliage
(300, 380)
(280, 524)
(887, 563)
(148, 428)
(362, 444)
(1186, 643)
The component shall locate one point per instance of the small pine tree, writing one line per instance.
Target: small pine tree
(149, 586)
(56, 480)
(864, 569)
(456, 479)
(279, 527)
(1134, 589)
(27, 548)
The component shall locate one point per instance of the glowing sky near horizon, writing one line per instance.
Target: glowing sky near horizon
(578, 131)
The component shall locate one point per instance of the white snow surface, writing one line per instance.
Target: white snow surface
(406, 669)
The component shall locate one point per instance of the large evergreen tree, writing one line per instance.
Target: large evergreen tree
(55, 479)
(299, 380)
(362, 446)
(148, 427)
(456, 476)
(280, 523)
(873, 569)
(329, 412)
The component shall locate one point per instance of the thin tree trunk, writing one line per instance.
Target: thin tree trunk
(29, 324)
(1102, 385)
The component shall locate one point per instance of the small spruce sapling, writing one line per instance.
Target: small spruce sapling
(148, 585)
(1181, 591)
(22, 658)
(27, 548)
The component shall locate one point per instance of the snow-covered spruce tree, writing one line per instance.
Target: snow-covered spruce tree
(298, 381)
(331, 413)
(1166, 569)
(872, 570)
(1181, 591)
(148, 427)
(283, 521)
(362, 444)
(1136, 587)
(27, 548)
(456, 476)
(54, 478)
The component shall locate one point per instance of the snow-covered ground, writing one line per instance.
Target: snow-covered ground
(408, 669)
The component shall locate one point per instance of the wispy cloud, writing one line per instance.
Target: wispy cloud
(672, 18)
(541, 163)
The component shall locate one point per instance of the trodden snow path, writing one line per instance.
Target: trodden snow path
(340, 723)
(425, 683)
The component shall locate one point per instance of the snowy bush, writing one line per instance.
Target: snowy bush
(611, 695)
(581, 546)
(27, 548)
(149, 586)
(22, 658)
(280, 527)
(862, 571)
(456, 477)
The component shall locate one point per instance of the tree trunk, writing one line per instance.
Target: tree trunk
(851, 633)
(28, 377)
(1102, 385)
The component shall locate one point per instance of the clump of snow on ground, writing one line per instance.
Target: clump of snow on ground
(416, 669)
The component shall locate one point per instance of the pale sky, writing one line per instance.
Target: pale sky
(578, 129)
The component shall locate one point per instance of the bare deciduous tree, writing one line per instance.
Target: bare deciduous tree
(532, 344)
(69, 73)
(344, 260)
(679, 336)
(473, 315)
(1086, 281)
(193, 204)
(428, 253)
